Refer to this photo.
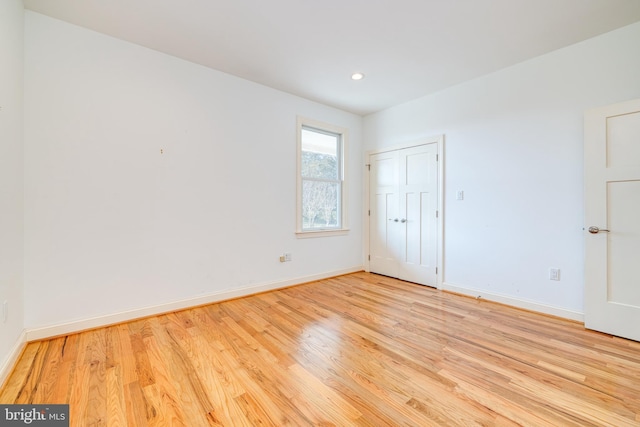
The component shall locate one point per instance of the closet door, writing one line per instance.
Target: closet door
(384, 217)
(418, 199)
(404, 223)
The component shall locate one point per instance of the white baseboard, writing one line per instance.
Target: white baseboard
(516, 302)
(12, 358)
(125, 316)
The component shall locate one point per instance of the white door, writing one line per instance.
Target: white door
(612, 219)
(404, 214)
(384, 243)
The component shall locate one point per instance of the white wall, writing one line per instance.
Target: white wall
(111, 224)
(514, 145)
(11, 182)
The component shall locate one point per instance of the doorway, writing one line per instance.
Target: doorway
(405, 212)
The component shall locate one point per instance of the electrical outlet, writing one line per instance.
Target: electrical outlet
(285, 257)
(554, 274)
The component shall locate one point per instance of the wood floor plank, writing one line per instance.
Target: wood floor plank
(16, 384)
(139, 411)
(163, 395)
(170, 348)
(354, 350)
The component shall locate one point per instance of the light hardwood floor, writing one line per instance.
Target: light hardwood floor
(361, 349)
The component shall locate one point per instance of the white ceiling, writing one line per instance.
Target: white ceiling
(406, 48)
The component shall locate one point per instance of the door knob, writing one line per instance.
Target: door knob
(394, 220)
(403, 220)
(595, 230)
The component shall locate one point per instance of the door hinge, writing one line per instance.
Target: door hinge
(437, 213)
(436, 270)
(369, 212)
(369, 257)
(437, 157)
(368, 166)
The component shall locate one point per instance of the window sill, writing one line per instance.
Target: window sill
(321, 233)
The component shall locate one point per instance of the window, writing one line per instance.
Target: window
(321, 209)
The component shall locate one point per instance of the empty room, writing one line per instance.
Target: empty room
(336, 213)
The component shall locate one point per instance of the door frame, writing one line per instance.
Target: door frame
(435, 139)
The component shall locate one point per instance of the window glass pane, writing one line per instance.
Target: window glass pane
(320, 155)
(320, 205)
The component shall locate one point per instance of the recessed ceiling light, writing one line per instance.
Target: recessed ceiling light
(357, 76)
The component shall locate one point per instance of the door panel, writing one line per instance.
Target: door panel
(612, 202)
(415, 172)
(623, 252)
(413, 229)
(623, 148)
(385, 168)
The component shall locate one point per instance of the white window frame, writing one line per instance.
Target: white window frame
(343, 132)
